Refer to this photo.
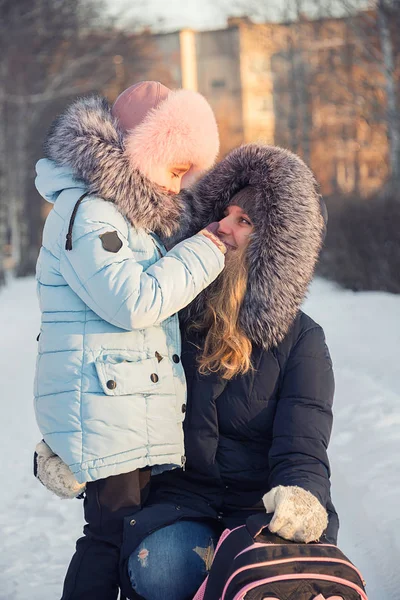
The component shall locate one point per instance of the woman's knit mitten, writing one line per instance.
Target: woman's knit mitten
(54, 474)
(298, 514)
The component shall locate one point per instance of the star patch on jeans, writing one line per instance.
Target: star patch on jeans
(111, 241)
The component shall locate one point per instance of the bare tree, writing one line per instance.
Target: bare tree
(4, 9)
(338, 60)
(54, 50)
(384, 10)
(375, 33)
(300, 77)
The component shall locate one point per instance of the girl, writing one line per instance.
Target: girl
(110, 388)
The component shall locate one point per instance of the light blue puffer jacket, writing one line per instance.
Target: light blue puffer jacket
(109, 386)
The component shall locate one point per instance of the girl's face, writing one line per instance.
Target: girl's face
(235, 228)
(170, 178)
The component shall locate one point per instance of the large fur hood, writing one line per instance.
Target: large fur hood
(285, 245)
(88, 139)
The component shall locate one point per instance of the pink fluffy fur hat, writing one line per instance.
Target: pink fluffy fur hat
(165, 127)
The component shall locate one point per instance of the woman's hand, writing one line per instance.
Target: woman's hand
(298, 514)
(54, 474)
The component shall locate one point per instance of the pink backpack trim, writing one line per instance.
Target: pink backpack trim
(262, 545)
(289, 560)
(254, 584)
(321, 597)
(240, 596)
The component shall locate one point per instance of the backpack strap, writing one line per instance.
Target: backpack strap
(68, 243)
(257, 525)
(236, 541)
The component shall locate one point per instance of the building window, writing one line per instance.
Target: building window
(374, 170)
(345, 175)
(218, 83)
(266, 104)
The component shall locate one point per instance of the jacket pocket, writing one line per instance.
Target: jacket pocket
(124, 373)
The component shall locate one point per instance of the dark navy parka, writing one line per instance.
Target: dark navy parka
(266, 428)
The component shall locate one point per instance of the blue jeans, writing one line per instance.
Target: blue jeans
(172, 562)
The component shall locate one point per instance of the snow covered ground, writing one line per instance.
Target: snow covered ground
(38, 531)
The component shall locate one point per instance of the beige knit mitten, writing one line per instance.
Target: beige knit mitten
(55, 475)
(298, 514)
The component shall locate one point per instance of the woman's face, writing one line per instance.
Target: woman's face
(235, 228)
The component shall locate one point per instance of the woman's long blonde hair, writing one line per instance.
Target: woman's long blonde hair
(227, 349)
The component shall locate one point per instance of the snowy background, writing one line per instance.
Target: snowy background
(38, 531)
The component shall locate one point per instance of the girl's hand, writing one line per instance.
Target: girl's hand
(54, 474)
(211, 232)
(298, 514)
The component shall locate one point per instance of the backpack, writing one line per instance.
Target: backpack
(252, 563)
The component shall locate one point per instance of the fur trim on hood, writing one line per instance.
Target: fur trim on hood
(287, 237)
(87, 139)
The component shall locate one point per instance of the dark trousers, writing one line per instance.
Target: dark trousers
(93, 573)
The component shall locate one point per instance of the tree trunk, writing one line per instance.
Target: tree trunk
(303, 81)
(25, 221)
(393, 127)
(293, 122)
(3, 191)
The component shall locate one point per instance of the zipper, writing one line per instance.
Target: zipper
(183, 462)
(68, 243)
(158, 249)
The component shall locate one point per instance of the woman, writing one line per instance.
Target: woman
(260, 389)
(260, 382)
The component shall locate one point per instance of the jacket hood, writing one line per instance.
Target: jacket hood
(87, 140)
(287, 237)
(181, 129)
(51, 179)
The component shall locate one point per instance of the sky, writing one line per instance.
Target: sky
(176, 14)
(169, 15)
